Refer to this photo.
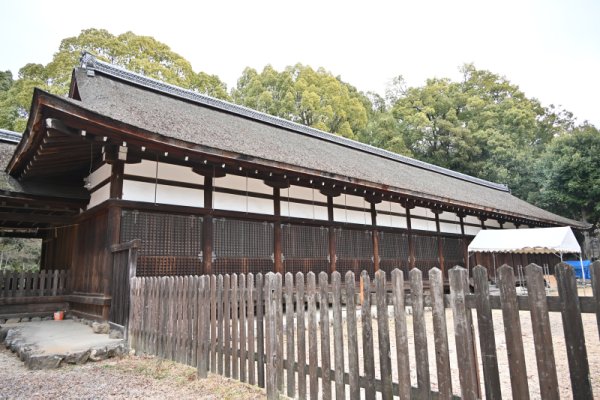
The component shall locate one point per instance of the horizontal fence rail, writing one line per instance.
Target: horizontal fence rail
(33, 284)
(310, 336)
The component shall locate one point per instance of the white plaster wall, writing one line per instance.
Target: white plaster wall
(307, 211)
(472, 230)
(233, 202)
(100, 174)
(299, 192)
(422, 224)
(471, 219)
(99, 196)
(422, 212)
(492, 223)
(352, 216)
(447, 227)
(352, 201)
(510, 225)
(147, 168)
(143, 191)
(390, 206)
(450, 216)
(239, 183)
(391, 221)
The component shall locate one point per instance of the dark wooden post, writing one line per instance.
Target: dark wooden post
(411, 244)
(439, 240)
(375, 237)
(207, 226)
(332, 247)
(482, 219)
(461, 217)
(277, 234)
(116, 180)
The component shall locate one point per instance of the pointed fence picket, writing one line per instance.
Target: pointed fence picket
(241, 325)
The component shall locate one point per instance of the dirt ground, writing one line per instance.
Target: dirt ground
(126, 378)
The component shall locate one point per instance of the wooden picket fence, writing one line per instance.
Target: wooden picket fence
(33, 284)
(279, 334)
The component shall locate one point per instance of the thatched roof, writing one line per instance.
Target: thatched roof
(175, 113)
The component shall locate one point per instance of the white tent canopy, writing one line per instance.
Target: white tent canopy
(537, 240)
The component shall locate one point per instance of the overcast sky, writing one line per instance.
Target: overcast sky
(551, 49)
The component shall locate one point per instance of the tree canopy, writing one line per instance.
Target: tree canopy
(142, 54)
(301, 94)
(569, 175)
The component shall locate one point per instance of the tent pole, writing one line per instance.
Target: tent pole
(582, 273)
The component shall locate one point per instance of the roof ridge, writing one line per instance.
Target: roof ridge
(90, 62)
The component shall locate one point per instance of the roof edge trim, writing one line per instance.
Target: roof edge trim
(90, 62)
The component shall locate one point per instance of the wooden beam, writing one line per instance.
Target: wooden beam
(36, 218)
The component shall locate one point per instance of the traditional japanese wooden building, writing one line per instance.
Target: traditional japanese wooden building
(213, 187)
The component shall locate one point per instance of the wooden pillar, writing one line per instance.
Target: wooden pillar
(331, 229)
(277, 234)
(439, 241)
(464, 238)
(113, 232)
(375, 234)
(482, 219)
(411, 244)
(207, 226)
(116, 180)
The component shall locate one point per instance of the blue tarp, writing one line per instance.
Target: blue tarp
(577, 267)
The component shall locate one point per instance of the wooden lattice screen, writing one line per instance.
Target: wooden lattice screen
(454, 252)
(393, 251)
(354, 249)
(170, 244)
(242, 246)
(426, 252)
(305, 248)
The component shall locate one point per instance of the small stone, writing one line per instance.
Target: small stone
(115, 334)
(103, 328)
(75, 318)
(47, 318)
(99, 354)
(2, 321)
(12, 320)
(25, 319)
(36, 319)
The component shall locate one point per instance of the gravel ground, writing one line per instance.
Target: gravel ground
(130, 377)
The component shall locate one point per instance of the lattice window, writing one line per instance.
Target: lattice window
(354, 250)
(393, 251)
(171, 244)
(453, 251)
(426, 252)
(242, 246)
(305, 248)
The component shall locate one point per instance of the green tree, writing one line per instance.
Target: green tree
(142, 54)
(569, 175)
(301, 94)
(483, 126)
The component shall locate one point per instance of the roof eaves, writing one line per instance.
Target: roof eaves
(89, 62)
